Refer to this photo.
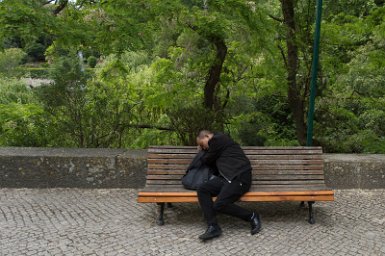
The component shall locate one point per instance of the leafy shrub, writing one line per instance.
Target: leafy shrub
(187, 121)
(33, 72)
(22, 125)
(36, 51)
(22, 118)
(10, 59)
(92, 61)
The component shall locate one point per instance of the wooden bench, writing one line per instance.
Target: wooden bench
(279, 174)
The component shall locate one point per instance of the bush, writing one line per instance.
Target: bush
(10, 59)
(250, 129)
(22, 125)
(188, 120)
(22, 118)
(92, 61)
(36, 51)
(13, 90)
(33, 72)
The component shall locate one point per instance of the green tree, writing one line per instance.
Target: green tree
(26, 24)
(351, 102)
(22, 119)
(65, 99)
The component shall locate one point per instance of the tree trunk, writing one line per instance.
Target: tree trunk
(214, 73)
(379, 3)
(295, 100)
(60, 7)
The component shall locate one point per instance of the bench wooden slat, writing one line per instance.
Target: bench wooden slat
(275, 198)
(278, 169)
(254, 182)
(153, 156)
(256, 177)
(243, 147)
(254, 171)
(186, 162)
(261, 167)
(259, 196)
(287, 167)
(286, 182)
(247, 150)
(260, 188)
(180, 190)
(296, 159)
(158, 199)
(191, 154)
(252, 193)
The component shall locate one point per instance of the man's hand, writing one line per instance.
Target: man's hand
(200, 148)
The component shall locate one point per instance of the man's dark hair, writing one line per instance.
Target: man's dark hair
(203, 133)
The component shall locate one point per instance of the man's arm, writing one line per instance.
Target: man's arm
(215, 148)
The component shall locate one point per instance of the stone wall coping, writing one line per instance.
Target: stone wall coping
(70, 152)
(354, 157)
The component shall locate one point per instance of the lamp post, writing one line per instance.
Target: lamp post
(314, 71)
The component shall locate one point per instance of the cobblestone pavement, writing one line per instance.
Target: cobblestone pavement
(111, 222)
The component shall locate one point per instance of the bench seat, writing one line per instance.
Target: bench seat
(279, 174)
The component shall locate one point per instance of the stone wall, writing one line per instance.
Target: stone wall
(84, 168)
(355, 171)
(119, 168)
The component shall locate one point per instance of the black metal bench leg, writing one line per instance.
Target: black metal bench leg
(160, 220)
(311, 215)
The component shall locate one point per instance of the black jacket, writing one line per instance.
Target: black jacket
(227, 156)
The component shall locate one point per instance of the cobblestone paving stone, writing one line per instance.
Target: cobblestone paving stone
(111, 222)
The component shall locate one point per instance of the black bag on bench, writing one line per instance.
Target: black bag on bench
(197, 173)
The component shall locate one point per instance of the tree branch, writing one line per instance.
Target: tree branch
(149, 126)
(283, 55)
(47, 2)
(226, 98)
(276, 18)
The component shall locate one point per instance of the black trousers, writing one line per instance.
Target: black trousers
(227, 194)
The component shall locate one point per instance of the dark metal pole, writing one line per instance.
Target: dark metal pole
(313, 83)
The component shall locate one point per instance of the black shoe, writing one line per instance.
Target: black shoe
(255, 224)
(211, 232)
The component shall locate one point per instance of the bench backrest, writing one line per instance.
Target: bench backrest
(286, 168)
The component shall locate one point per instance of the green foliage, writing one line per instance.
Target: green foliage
(13, 90)
(25, 22)
(92, 61)
(20, 125)
(21, 117)
(154, 60)
(65, 98)
(10, 59)
(33, 72)
(188, 120)
(36, 51)
(350, 112)
(89, 112)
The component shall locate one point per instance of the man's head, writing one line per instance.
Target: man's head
(203, 138)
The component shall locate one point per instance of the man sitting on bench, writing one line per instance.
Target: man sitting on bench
(230, 183)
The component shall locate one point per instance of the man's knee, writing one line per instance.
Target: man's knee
(202, 189)
(218, 206)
